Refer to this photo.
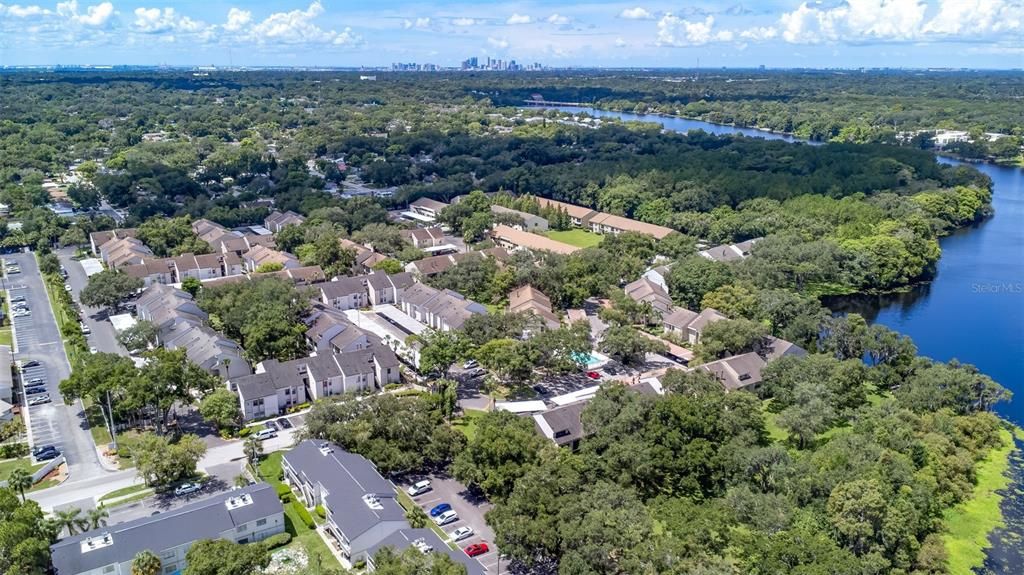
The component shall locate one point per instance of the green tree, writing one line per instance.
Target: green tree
(628, 346)
(223, 557)
(109, 288)
(730, 337)
(269, 267)
(49, 264)
(221, 409)
(160, 462)
(167, 378)
(691, 278)
(103, 379)
(25, 536)
(20, 480)
(857, 511)
(389, 562)
(501, 451)
(511, 361)
(146, 563)
(192, 285)
(440, 350)
(171, 237)
(138, 337)
(389, 266)
(253, 449)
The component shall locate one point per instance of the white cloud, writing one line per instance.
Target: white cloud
(637, 13)
(97, 16)
(499, 43)
(420, 23)
(854, 20)
(18, 11)
(558, 19)
(157, 21)
(464, 22)
(299, 27)
(620, 43)
(675, 31)
(760, 33)
(516, 19)
(237, 19)
(975, 17)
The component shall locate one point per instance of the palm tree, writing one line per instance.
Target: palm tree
(97, 517)
(20, 480)
(241, 481)
(253, 450)
(146, 563)
(71, 520)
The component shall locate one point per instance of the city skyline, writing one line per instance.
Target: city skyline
(329, 33)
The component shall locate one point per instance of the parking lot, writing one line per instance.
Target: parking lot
(37, 339)
(471, 512)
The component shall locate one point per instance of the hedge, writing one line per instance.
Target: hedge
(282, 489)
(321, 511)
(303, 514)
(279, 540)
(245, 432)
(12, 450)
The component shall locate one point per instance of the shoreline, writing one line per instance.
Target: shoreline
(1010, 164)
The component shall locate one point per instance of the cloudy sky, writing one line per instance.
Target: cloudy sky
(775, 33)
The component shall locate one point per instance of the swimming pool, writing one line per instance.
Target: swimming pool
(593, 359)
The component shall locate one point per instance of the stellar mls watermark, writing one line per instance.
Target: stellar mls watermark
(998, 287)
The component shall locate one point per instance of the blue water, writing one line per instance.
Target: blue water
(974, 308)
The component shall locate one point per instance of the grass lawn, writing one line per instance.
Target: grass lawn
(579, 238)
(6, 338)
(775, 433)
(9, 465)
(308, 539)
(142, 488)
(467, 423)
(968, 525)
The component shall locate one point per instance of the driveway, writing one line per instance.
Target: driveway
(103, 336)
(36, 337)
(470, 508)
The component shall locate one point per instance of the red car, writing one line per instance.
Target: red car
(593, 375)
(477, 549)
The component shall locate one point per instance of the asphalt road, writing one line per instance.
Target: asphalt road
(103, 336)
(38, 338)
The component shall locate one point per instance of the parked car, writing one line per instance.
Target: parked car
(35, 390)
(93, 350)
(85, 328)
(187, 488)
(439, 509)
(67, 288)
(37, 382)
(477, 549)
(419, 488)
(39, 400)
(270, 424)
(265, 434)
(461, 533)
(22, 313)
(593, 375)
(17, 298)
(41, 448)
(470, 364)
(31, 363)
(446, 518)
(48, 454)
(284, 423)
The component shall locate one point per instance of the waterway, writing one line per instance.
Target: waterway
(973, 310)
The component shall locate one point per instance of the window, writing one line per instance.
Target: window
(167, 555)
(242, 528)
(109, 568)
(170, 569)
(260, 522)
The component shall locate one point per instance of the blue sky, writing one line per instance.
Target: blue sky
(774, 33)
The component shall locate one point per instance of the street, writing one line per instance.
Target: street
(37, 337)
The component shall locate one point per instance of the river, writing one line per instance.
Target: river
(973, 310)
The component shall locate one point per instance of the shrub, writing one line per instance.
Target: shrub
(303, 514)
(321, 511)
(245, 431)
(279, 540)
(358, 565)
(286, 498)
(11, 450)
(282, 490)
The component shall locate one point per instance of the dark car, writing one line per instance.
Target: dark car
(35, 390)
(41, 448)
(32, 363)
(284, 423)
(48, 455)
(270, 425)
(439, 509)
(477, 549)
(37, 382)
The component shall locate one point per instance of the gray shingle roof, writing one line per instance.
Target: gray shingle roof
(347, 477)
(343, 287)
(403, 538)
(205, 519)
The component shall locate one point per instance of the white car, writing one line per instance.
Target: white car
(93, 350)
(67, 287)
(264, 434)
(419, 488)
(461, 533)
(85, 328)
(186, 488)
(470, 364)
(447, 517)
(39, 400)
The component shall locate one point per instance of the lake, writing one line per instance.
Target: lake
(974, 308)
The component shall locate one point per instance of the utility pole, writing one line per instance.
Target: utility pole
(113, 432)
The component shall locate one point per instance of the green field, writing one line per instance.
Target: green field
(467, 423)
(579, 238)
(969, 524)
(9, 465)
